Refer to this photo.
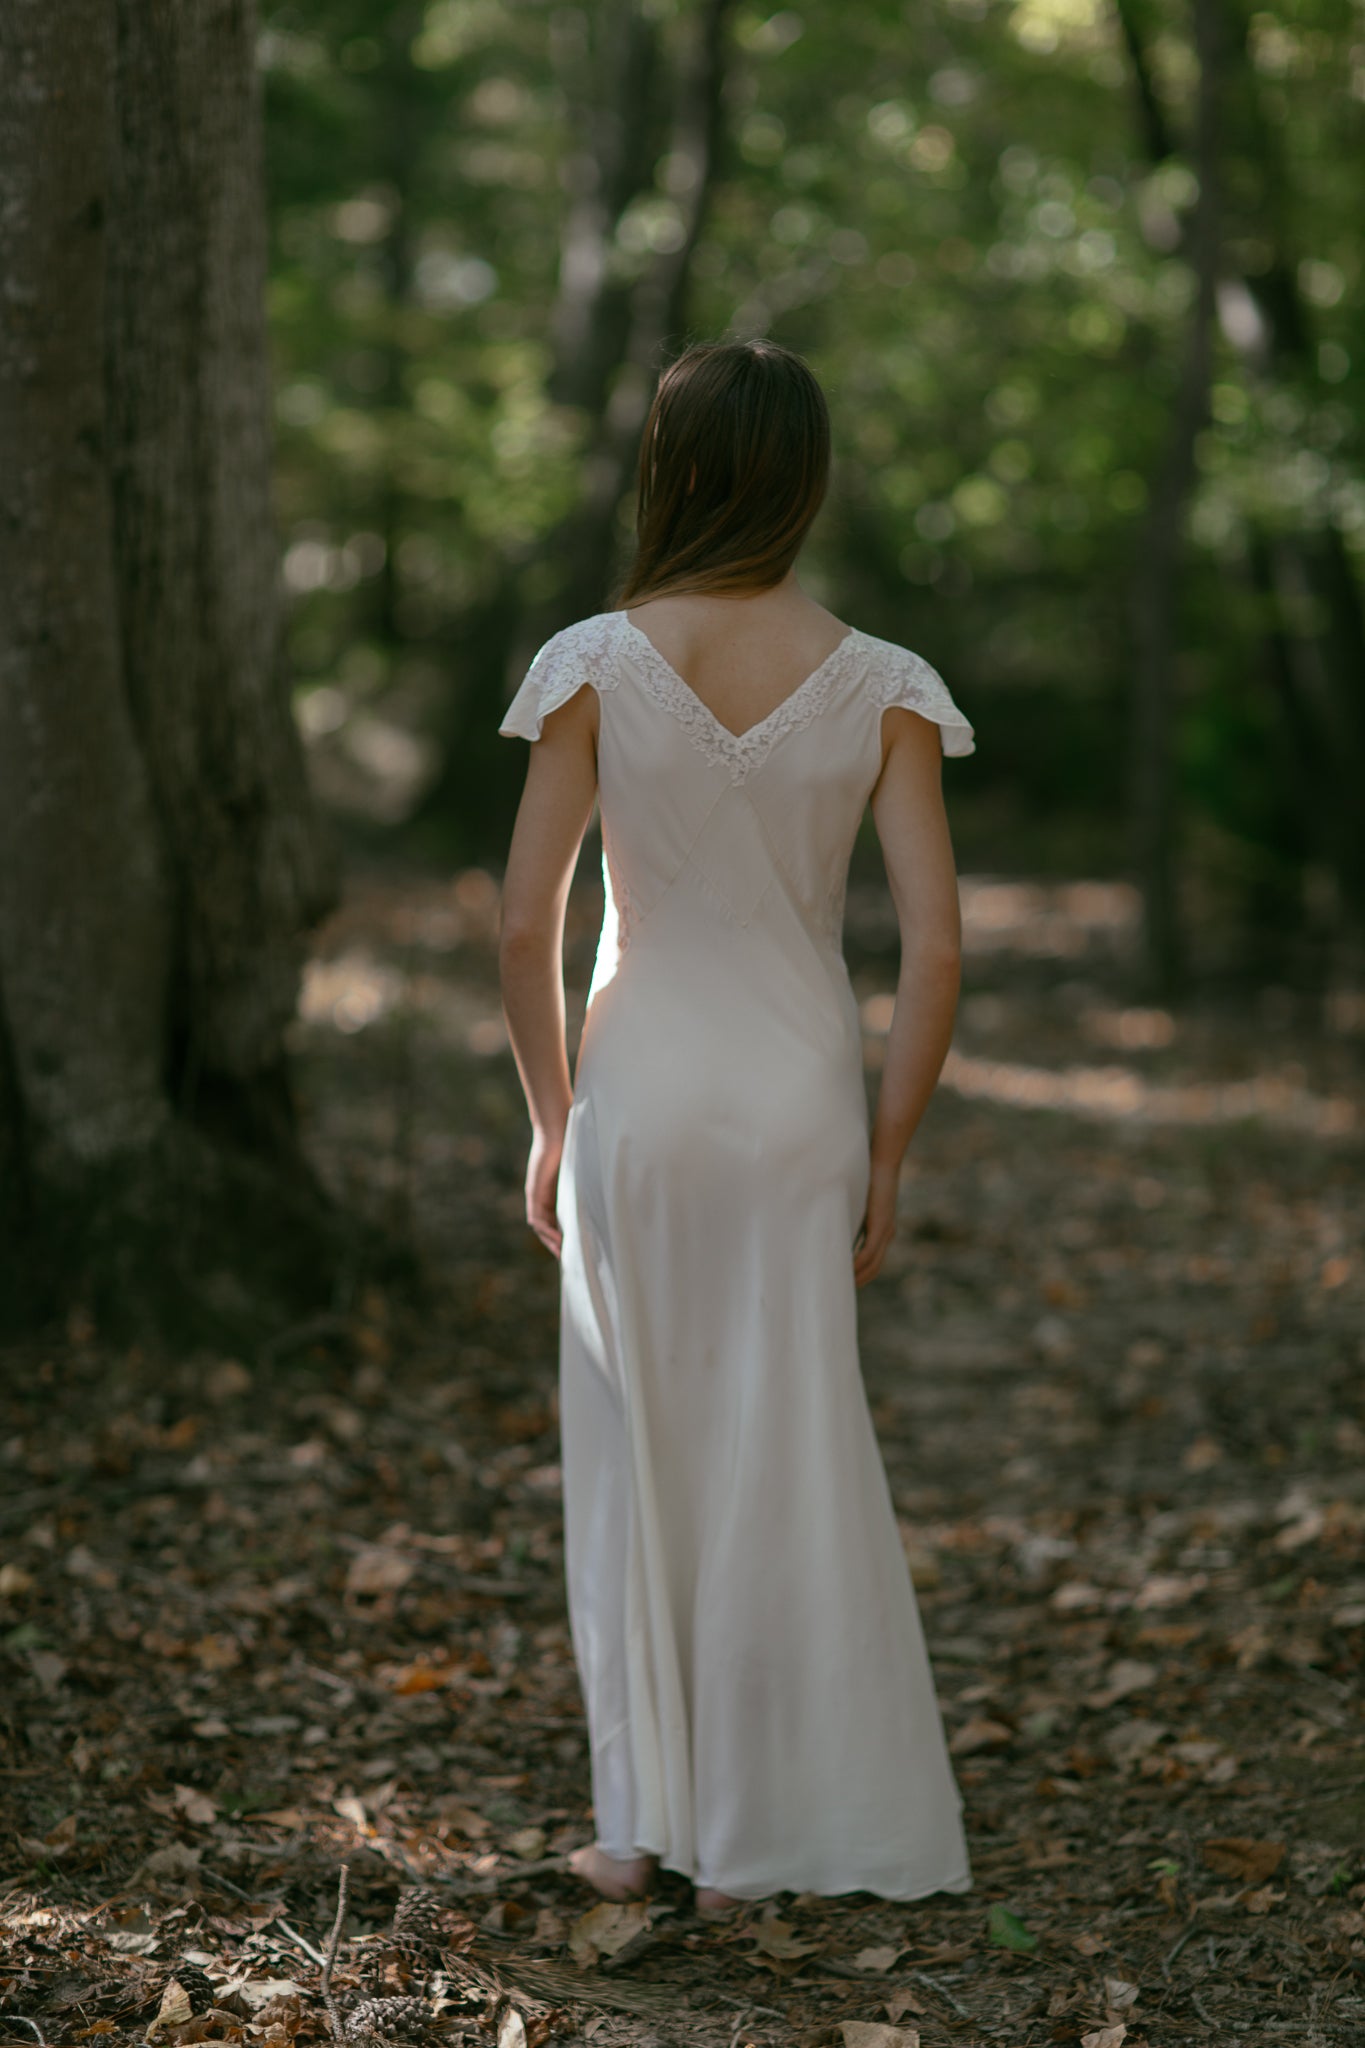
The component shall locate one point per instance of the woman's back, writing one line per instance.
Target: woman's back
(760, 1707)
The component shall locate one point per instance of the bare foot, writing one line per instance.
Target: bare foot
(610, 1875)
(713, 1905)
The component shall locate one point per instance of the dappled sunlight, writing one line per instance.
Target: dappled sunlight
(1058, 920)
(1118, 1094)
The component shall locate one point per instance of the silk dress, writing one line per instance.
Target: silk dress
(760, 1705)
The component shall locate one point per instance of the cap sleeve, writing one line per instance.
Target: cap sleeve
(578, 655)
(900, 677)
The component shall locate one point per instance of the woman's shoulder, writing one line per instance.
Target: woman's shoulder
(577, 654)
(894, 675)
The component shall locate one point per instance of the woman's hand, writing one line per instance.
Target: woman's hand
(879, 1223)
(542, 1185)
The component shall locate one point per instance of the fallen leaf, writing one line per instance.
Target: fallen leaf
(249, 1996)
(1126, 1676)
(1105, 2037)
(1088, 1944)
(606, 1928)
(196, 1806)
(377, 1570)
(980, 1733)
(14, 1580)
(1262, 1901)
(878, 1959)
(779, 1939)
(282, 2014)
(174, 2010)
(177, 1863)
(511, 2029)
(527, 1843)
(1119, 1994)
(1006, 1930)
(1168, 1589)
(352, 1809)
(1240, 1856)
(872, 2034)
(899, 2002)
(1131, 1739)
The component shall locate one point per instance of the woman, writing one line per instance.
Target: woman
(760, 1707)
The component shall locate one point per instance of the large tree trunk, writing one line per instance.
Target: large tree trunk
(159, 857)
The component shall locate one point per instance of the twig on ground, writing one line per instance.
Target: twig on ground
(1171, 1954)
(334, 1940)
(299, 1942)
(23, 2020)
(932, 1984)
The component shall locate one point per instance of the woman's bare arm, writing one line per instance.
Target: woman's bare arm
(907, 808)
(556, 804)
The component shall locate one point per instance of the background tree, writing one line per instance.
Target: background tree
(159, 858)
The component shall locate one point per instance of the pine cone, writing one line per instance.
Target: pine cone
(196, 1986)
(393, 2019)
(419, 1919)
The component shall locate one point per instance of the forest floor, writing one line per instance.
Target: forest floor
(265, 1615)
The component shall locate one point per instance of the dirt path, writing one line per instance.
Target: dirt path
(259, 1616)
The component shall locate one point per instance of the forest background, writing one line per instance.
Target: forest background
(1084, 284)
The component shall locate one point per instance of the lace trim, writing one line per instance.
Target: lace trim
(627, 910)
(901, 677)
(739, 753)
(580, 654)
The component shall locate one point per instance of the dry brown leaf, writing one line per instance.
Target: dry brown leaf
(873, 2034)
(1088, 1944)
(1262, 1901)
(378, 1570)
(779, 1939)
(14, 1580)
(606, 1928)
(1240, 1856)
(899, 2002)
(1119, 1994)
(196, 1806)
(527, 1843)
(1126, 1675)
(878, 1959)
(1105, 2037)
(511, 2029)
(980, 1733)
(174, 2010)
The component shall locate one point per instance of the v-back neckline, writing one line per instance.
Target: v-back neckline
(787, 708)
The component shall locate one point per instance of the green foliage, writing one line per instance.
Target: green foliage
(960, 213)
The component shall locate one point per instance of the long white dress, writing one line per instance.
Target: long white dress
(760, 1706)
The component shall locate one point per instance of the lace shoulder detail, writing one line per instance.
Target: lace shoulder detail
(896, 676)
(580, 654)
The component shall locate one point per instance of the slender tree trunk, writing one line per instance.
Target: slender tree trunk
(1316, 621)
(1161, 551)
(159, 857)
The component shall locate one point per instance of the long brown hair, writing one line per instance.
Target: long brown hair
(733, 467)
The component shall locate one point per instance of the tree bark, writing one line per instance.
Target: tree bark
(159, 855)
(195, 548)
(85, 937)
(1161, 551)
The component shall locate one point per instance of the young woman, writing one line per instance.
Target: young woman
(760, 1706)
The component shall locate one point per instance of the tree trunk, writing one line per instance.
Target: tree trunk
(1316, 622)
(159, 856)
(1161, 550)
